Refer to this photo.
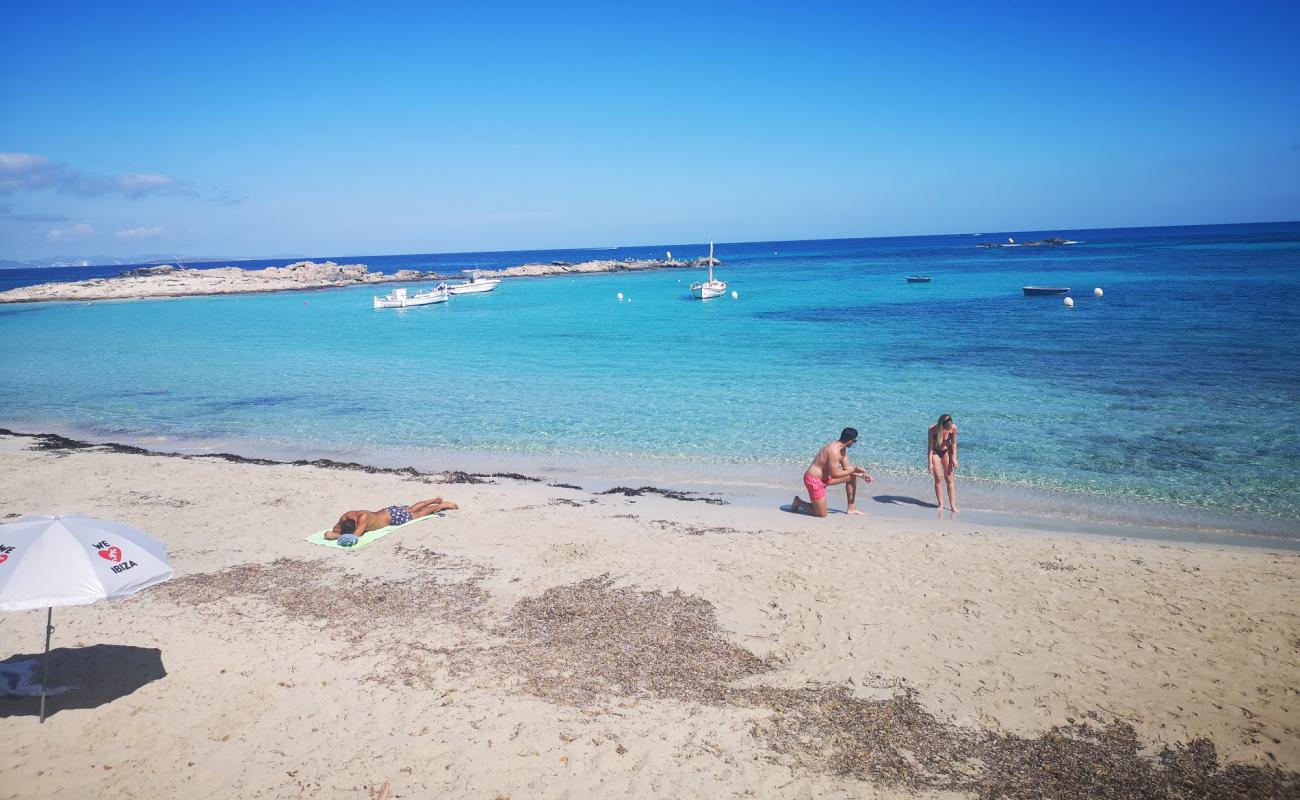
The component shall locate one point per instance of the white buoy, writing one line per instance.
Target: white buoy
(620, 295)
(1069, 302)
(1097, 292)
(735, 295)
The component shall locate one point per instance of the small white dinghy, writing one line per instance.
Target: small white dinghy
(398, 298)
(476, 284)
(712, 287)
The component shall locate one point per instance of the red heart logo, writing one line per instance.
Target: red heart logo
(112, 554)
(4, 557)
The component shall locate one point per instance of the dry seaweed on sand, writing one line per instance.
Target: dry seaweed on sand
(897, 741)
(1057, 566)
(564, 501)
(579, 643)
(671, 494)
(700, 530)
(352, 604)
(574, 644)
(53, 443)
(582, 643)
(515, 476)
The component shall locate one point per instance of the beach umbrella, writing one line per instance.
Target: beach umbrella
(74, 560)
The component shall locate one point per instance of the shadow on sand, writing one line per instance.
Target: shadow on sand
(786, 507)
(902, 500)
(93, 676)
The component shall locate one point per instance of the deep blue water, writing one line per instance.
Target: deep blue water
(1176, 387)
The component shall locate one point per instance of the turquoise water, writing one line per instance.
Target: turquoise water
(1177, 387)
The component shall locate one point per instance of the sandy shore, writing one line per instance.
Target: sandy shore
(547, 641)
(167, 281)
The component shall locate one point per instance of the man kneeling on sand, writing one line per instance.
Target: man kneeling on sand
(358, 523)
(831, 466)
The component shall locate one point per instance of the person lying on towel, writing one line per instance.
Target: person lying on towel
(358, 523)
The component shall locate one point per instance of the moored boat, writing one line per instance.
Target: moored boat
(398, 298)
(712, 287)
(1032, 291)
(918, 279)
(476, 284)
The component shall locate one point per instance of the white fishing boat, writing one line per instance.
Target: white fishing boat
(398, 298)
(712, 287)
(476, 284)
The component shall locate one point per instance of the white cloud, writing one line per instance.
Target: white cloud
(135, 182)
(20, 171)
(140, 232)
(78, 231)
(26, 172)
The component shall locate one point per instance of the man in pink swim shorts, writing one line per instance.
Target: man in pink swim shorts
(831, 467)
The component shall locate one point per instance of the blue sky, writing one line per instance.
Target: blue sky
(246, 130)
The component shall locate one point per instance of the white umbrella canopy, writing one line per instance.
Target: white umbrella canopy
(74, 560)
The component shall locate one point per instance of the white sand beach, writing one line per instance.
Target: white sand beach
(550, 642)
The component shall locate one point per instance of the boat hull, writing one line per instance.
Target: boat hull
(918, 279)
(1038, 291)
(412, 301)
(705, 293)
(473, 288)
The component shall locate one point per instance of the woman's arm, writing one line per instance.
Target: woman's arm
(954, 447)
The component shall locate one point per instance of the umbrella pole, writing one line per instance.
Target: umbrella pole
(45, 677)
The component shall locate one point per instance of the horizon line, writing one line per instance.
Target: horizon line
(208, 260)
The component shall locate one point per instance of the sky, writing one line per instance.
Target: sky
(248, 130)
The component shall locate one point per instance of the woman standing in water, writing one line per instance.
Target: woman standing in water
(941, 453)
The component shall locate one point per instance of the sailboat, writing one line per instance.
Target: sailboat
(712, 287)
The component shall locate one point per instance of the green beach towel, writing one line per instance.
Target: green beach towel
(364, 541)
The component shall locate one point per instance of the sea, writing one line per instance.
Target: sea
(1168, 399)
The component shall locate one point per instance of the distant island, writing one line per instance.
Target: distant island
(170, 281)
(1052, 242)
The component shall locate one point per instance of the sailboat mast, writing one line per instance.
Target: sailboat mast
(710, 262)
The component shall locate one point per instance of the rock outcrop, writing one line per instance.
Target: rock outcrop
(167, 280)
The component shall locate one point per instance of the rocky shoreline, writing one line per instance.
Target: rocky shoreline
(169, 281)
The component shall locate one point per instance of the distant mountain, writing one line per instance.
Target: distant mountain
(72, 261)
(162, 258)
(107, 261)
(102, 260)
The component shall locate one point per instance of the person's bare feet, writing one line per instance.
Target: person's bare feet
(449, 506)
(854, 512)
(794, 505)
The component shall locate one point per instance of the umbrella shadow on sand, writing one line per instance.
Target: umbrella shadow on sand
(80, 677)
